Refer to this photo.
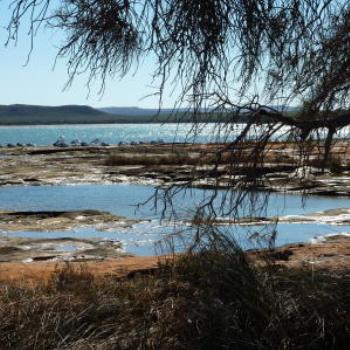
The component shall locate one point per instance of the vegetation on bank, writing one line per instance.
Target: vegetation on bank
(213, 299)
(120, 159)
(178, 155)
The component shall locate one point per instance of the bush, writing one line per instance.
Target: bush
(214, 298)
(151, 160)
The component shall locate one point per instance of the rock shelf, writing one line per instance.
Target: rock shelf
(166, 164)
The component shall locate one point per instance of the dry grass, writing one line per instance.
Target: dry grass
(336, 164)
(214, 299)
(239, 162)
(175, 159)
(153, 159)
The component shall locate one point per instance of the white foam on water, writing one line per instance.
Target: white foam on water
(323, 238)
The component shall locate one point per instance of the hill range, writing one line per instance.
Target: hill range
(20, 114)
(73, 114)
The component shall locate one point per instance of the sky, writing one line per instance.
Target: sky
(38, 83)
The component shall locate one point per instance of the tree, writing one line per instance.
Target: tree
(236, 57)
(241, 59)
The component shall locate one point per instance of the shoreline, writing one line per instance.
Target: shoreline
(155, 165)
(332, 255)
(165, 165)
(58, 241)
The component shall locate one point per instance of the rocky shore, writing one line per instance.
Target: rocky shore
(40, 221)
(167, 164)
(27, 250)
(159, 164)
(338, 217)
(332, 254)
(68, 248)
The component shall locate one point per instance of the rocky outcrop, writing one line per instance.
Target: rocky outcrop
(160, 164)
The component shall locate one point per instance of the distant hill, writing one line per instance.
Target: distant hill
(29, 115)
(149, 115)
(136, 111)
(72, 114)
(154, 112)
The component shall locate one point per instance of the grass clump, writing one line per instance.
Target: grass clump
(152, 159)
(214, 298)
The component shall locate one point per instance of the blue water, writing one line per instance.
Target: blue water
(115, 133)
(147, 239)
(121, 199)
(109, 133)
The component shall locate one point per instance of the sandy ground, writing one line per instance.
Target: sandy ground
(39, 272)
(332, 254)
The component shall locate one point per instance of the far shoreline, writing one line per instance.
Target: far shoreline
(119, 123)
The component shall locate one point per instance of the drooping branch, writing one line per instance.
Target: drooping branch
(328, 120)
(293, 48)
(236, 58)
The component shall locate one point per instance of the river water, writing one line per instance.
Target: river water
(108, 133)
(115, 133)
(142, 238)
(121, 199)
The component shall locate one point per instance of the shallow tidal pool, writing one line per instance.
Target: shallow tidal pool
(142, 238)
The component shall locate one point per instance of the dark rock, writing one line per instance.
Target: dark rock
(95, 142)
(281, 255)
(9, 250)
(60, 142)
(44, 258)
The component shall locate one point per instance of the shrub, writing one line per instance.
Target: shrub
(214, 298)
(152, 160)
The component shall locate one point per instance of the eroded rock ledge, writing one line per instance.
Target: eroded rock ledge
(168, 164)
(331, 252)
(58, 249)
(339, 217)
(60, 220)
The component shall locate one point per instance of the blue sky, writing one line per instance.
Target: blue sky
(38, 83)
